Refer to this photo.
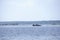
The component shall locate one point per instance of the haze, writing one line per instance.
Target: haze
(29, 10)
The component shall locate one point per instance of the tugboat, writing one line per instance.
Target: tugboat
(36, 25)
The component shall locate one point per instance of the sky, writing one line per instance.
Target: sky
(29, 10)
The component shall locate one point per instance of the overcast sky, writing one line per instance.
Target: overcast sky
(29, 10)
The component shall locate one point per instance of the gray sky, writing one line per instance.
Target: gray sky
(29, 10)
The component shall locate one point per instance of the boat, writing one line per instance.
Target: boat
(36, 25)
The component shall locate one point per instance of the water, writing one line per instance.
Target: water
(25, 31)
